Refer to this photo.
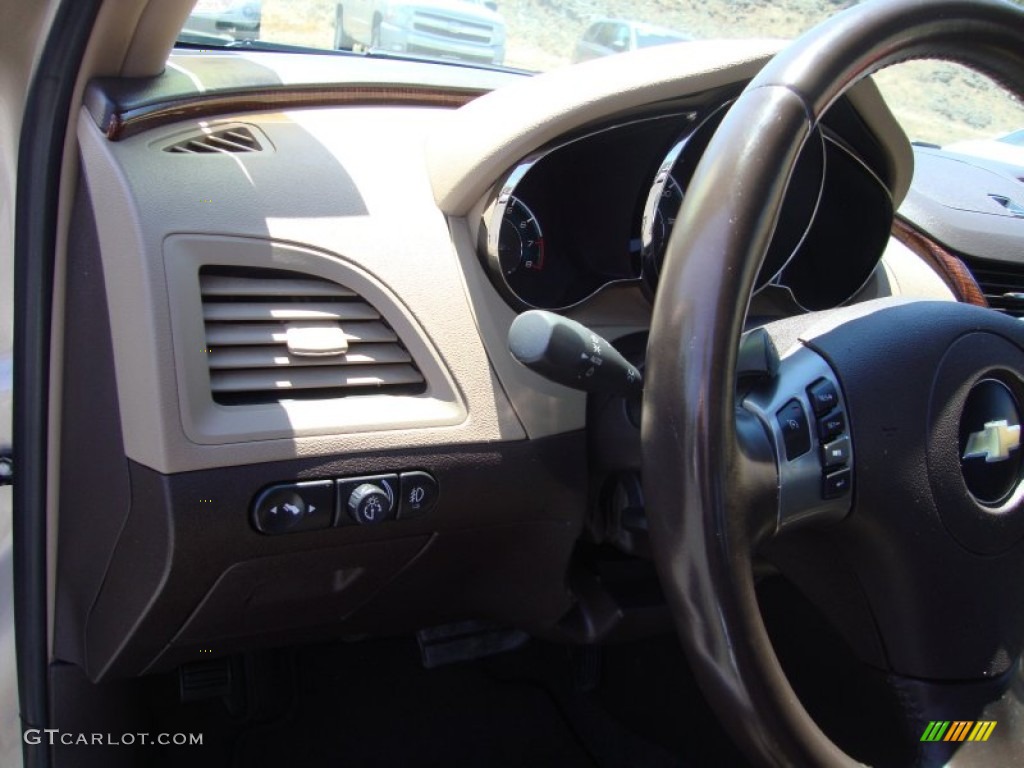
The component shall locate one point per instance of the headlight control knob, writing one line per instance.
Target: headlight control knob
(370, 504)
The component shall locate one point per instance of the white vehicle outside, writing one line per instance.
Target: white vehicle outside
(1007, 149)
(237, 19)
(466, 30)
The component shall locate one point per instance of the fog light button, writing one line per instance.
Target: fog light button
(418, 495)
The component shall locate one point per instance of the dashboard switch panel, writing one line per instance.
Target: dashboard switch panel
(419, 495)
(293, 507)
(346, 501)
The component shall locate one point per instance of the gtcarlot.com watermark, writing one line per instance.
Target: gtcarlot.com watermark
(54, 736)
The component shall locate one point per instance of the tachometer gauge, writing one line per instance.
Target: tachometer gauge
(520, 240)
(522, 265)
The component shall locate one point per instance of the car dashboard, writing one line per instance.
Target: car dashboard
(290, 412)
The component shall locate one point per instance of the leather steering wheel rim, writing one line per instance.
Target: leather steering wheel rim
(701, 479)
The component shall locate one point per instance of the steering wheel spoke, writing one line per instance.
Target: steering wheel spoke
(804, 411)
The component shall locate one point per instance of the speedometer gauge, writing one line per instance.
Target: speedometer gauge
(669, 188)
(664, 200)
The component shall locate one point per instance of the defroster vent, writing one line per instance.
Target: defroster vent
(275, 335)
(230, 140)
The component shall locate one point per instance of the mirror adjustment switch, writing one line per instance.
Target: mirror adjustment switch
(796, 434)
(418, 496)
(293, 507)
(823, 396)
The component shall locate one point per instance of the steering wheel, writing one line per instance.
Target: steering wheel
(915, 494)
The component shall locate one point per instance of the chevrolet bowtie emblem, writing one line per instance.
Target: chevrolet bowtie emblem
(994, 442)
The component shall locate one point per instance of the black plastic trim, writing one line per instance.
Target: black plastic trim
(40, 156)
(186, 570)
(90, 426)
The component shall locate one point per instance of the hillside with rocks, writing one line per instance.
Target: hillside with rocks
(935, 101)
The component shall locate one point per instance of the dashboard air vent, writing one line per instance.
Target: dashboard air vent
(1002, 283)
(237, 138)
(275, 335)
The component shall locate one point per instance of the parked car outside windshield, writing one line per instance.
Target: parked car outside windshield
(227, 20)
(609, 36)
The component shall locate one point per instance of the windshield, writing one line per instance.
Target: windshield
(937, 103)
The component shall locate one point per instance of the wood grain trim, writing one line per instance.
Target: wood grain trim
(127, 123)
(949, 267)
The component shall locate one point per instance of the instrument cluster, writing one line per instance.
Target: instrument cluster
(598, 209)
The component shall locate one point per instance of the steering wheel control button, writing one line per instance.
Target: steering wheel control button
(814, 454)
(837, 484)
(831, 426)
(823, 396)
(990, 452)
(294, 507)
(836, 453)
(418, 495)
(796, 434)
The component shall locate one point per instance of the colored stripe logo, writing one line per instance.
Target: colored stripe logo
(958, 730)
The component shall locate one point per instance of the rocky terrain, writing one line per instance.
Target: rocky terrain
(936, 102)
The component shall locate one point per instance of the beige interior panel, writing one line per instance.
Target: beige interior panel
(154, 36)
(543, 407)
(907, 275)
(350, 186)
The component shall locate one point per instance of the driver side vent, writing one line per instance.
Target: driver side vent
(273, 335)
(1002, 283)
